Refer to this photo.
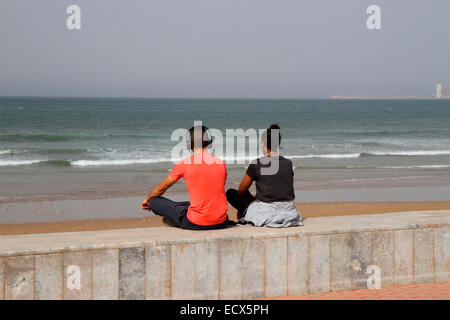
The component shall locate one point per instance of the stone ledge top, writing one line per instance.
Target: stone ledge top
(124, 238)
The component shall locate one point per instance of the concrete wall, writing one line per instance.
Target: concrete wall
(327, 254)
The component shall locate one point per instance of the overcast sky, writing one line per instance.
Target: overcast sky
(224, 48)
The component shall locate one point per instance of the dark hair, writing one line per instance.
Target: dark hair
(273, 130)
(206, 138)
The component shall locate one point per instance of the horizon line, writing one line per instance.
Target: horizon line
(333, 97)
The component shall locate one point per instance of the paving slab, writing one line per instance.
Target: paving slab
(105, 274)
(361, 243)
(77, 275)
(298, 265)
(340, 264)
(206, 270)
(276, 267)
(319, 264)
(442, 254)
(2, 283)
(253, 261)
(230, 269)
(19, 278)
(132, 273)
(403, 257)
(383, 256)
(158, 272)
(423, 255)
(49, 275)
(183, 271)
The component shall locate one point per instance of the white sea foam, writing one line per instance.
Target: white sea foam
(373, 153)
(243, 158)
(117, 162)
(234, 159)
(10, 163)
(410, 153)
(327, 156)
(433, 166)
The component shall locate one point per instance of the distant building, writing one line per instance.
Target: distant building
(439, 91)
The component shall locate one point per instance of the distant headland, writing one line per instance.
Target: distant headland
(384, 98)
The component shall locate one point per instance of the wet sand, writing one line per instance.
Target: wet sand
(308, 210)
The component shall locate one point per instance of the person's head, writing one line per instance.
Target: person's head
(271, 139)
(199, 137)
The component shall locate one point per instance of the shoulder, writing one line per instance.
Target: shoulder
(285, 159)
(253, 168)
(257, 163)
(185, 161)
(262, 160)
(214, 159)
(254, 162)
(287, 163)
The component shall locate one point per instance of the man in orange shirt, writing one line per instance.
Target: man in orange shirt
(205, 177)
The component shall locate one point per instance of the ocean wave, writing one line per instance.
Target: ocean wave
(372, 154)
(57, 163)
(326, 156)
(2, 152)
(11, 163)
(40, 138)
(239, 159)
(407, 153)
(81, 163)
(427, 166)
(60, 151)
(389, 133)
(118, 162)
(431, 166)
(64, 137)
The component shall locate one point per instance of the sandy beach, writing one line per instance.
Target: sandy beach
(308, 210)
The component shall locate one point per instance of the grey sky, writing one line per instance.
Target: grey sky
(224, 48)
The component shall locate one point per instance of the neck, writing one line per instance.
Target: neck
(198, 150)
(271, 153)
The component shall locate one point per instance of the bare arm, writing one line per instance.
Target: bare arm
(158, 191)
(245, 185)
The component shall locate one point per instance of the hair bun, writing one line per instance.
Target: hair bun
(274, 126)
(267, 137)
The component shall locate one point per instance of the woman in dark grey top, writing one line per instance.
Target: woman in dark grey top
(273, 174)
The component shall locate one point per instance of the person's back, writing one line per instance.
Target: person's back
(205, 177)
(276, 187)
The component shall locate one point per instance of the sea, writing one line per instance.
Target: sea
(85, 148)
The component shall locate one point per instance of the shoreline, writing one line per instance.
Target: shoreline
(426, 184)
(307, 209)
